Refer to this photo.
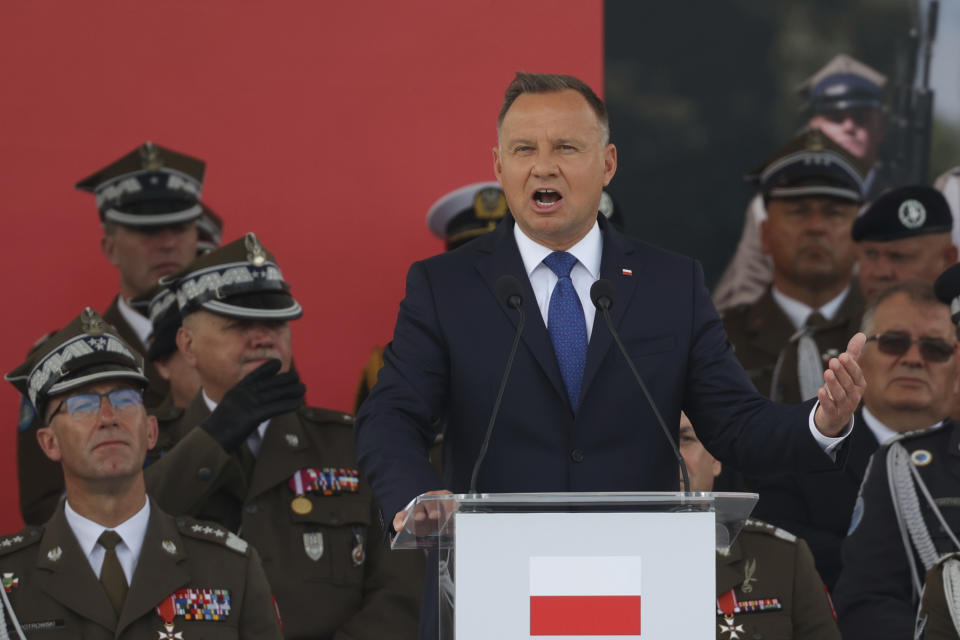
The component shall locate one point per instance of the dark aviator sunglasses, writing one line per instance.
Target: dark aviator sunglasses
(897, 343)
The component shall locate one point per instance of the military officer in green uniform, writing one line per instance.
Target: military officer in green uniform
(811, 188)
(110, 563)
(149, 205)
(252, 457)
(767, 584)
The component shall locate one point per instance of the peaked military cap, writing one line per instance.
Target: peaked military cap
(85, 351)
(467, 212)
(209, 231)
(844, 83)
(947, 289)
(811, 165)
(904, 212)
(238, 280)
(150, 186)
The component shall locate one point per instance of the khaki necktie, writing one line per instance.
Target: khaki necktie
(809, 360)
(111, 575)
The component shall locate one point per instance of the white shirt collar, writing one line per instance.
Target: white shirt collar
(798, 312)
(881, 431)
(132, 531)
(252, 442)
(588, 251)
(140, 324)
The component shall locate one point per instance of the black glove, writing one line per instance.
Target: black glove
(262, 394)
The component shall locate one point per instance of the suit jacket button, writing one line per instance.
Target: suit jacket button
(250, 508)
(204, 473)
(576, 455)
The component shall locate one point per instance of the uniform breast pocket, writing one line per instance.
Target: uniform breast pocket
(641, 347)
(330, 541)
(202, 630)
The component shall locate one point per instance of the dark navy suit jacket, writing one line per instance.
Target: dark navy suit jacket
(451, 343)
(817, 506)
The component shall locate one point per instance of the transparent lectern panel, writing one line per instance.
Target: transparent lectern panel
(430, 521)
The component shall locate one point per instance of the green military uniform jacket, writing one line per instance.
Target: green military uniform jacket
(761, 330)
(41, 479)
(934, 614)
(56, 595)
(777, 592)
(331, 573)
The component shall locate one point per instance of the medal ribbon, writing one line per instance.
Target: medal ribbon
(166, 610)
(727, 603)
(327, 481)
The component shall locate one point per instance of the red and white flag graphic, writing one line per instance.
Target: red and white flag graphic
(585, 596)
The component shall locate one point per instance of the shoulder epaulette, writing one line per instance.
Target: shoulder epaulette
(316, 414)
(759, 526)
(20, 540)
(212, 532)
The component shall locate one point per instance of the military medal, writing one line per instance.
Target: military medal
(358, 555)
(726, 604)
(10, 582)
(167, 612)
(301, 505)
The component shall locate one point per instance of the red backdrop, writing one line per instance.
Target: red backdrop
(328, 128)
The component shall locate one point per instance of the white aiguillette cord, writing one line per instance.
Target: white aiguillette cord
(6, 606)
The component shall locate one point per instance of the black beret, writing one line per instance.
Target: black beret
(904, 212)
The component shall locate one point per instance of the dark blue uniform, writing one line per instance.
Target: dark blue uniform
(817, 506)
(875, 596)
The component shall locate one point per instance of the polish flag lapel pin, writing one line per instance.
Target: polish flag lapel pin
(626, 272)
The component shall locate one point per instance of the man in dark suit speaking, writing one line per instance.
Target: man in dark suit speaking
(572, 418)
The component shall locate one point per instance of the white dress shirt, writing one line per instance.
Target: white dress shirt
(586, 271)
(132, 532)
(255, 439)
(583, 274)
(798, 312)
(140, 324)
(881, 431)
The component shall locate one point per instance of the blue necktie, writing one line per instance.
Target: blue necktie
(566, 325)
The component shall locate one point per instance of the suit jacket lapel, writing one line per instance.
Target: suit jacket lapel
(502, 257)
(66, 575)
(617, 256)
(159, 571)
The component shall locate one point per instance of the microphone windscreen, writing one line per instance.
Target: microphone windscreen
(602, 294)
(509, 291)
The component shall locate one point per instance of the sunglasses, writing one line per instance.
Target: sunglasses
(897, 343)
(86, 406)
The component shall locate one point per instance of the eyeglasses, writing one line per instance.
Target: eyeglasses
(86, 406)
(897, 343)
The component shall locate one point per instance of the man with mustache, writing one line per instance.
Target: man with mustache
(811, 188)
(248, 454)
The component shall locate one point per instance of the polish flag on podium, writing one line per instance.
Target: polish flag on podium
(585, 596)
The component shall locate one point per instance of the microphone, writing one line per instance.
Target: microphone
(510, 294)
(602, 293)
